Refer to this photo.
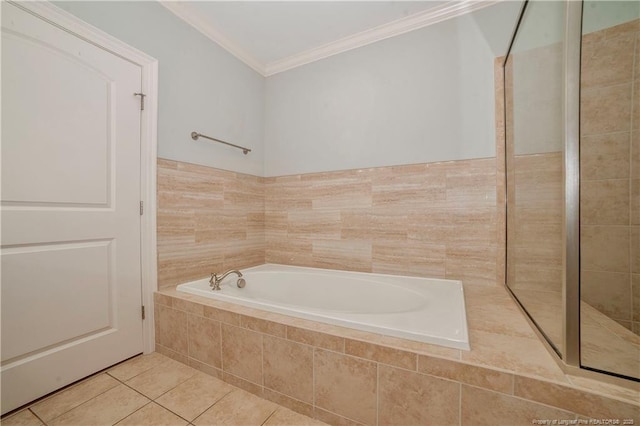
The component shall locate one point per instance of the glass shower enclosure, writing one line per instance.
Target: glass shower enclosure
(572, 127)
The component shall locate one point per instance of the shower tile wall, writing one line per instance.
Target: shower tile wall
(438, 220)
(610, 150)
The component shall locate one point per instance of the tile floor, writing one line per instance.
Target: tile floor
(155, 390)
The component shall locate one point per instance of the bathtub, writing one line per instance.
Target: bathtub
(422, 309)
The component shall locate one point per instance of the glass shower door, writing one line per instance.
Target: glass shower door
(534, 79)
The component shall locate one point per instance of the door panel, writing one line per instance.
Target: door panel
(35, 279)
(70, 249)
(85, 110)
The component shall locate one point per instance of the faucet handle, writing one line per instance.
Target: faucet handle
(213, 279)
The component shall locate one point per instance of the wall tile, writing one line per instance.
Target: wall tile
(315, 338)
(522, 355)
(604, 202)
(243, 384)
(465, 373)
(342, 254)
(242, 353)
(382, 354)
(605, 109)
(354, 378)
(288, 368)
(263, 326)
(350, 220)
(205, 340)
(170, 353)
(205, 368)
(635, 249)
(608, 292)
(635, 153)
(222, 315)
(334, 192)
(488, 408)
(312, 224)
(414, 188)
(472, 264)
(575, 400)
(410, 398)
(290, 403)
(332, 418)
(171, 328)
(413, 258)
(635, 283)
(208, 219)
(604, 156)
(605, 248)
(635, 202)
(607, 61)
(289, 251)
(635, 119)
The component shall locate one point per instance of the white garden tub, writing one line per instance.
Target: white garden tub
(423, 309)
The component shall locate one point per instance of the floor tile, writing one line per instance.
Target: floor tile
(74, 396)
(237, 408)
(194, 396)
(286, 417)
(153, 415)
(135, 366)
(105, 409)
(22, 418)
(161, 378)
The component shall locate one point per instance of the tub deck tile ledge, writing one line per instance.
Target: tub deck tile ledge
(503, 361)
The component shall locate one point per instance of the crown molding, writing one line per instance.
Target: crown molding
(178, 9)
(412, 22)
(399, 26)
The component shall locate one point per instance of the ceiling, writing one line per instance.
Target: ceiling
(273, 36)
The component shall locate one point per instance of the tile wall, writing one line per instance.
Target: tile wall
(435, 220)
(610, 167)
(208, 220)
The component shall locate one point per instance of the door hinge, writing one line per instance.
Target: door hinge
(143, 316)
(141, 208)
(142, 96)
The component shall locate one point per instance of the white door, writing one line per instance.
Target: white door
(70, 194)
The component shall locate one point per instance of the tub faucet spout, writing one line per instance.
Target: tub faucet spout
(215, 280)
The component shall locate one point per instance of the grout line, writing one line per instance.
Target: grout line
(377, 394)
(313, 378)
(37, 417)
(460, 404)
(133, 412)
(221, 344)
(209, 407)
(268, 417)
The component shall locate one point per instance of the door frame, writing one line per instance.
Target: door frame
(148, 141)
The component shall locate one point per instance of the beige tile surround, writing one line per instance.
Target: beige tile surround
(345, 376)
(208, 220)
(435, 220)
